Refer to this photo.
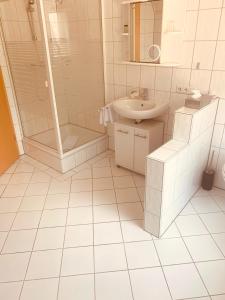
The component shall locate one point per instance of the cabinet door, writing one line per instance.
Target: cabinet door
(124, 145)
(141, 150)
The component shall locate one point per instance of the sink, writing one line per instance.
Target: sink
(139, 109)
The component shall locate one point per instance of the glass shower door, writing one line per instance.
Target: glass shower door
(24, 42)
(74, 31)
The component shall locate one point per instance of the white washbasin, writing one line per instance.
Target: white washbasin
(139, 109)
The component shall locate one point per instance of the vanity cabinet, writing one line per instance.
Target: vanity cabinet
(133, 142)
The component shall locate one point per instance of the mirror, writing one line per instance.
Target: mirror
(144, 31)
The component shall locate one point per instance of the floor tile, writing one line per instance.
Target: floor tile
(220, 201)
(130, 211)
(202, 248)
(19, 241)
(104, 197)
(15, 190)
(184, 281)
(219, 297)
(79, 215)
(5, 178)
(77, 261)
(141, 193)
(190, 225)
(11, 262)
(172, 251)
(57, 201)
(53, 218)
(44, 264)
(10, 290)
(20, 178)
(35, 189)
(78, 236)
(106, 233)
(39, 176)
(204, 205)
(102, 172)
(141, 255)
(2, 188)
(80, 199)
(26, 220)
(100, 184)
(110, 258)
(127, 195)
(8, 205)
(83, 174)
(213, 275)
(116, 171)
(84, 185)
(3, 236)
(77, 287)
(114, 285)
(215, 222)
(219, 238)
(59, 187)
(49, 238)
(32, 203)
(149, 284)
(188, 210)
(133, 231)
(171, 232)
(6, 221)
(24, 167)
(105, 213)
(102, 163)
(123, 182)
(139, 180)
(12, 168)
(44, 289)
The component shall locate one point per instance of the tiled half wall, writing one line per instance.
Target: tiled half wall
(174, 171)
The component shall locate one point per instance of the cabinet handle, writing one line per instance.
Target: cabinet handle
(141, 136)
(122, 131)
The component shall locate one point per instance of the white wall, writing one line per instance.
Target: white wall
(204, 43)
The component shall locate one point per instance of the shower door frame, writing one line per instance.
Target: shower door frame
(49, 73)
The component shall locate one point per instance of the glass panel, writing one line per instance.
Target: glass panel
(75, 42)
(26, 53)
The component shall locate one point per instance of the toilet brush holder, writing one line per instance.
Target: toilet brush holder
(208, 180)
(208, 176)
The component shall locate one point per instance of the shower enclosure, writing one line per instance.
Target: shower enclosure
(55, 54)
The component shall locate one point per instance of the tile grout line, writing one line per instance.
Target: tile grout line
(64, 238)
(161, 267)
(33, 244)
(93, 233)
(16, 213)
(124, 248)
(195, 265)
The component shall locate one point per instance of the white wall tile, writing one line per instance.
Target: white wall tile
(163, 79)
(205, 4)
(204, 54)
(208, 24)
(217, 83)
(222, 26)
(133, 75)
(147, 77)
(200, 80)
(219, 63)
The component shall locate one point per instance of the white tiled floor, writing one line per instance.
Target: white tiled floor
(79, 236)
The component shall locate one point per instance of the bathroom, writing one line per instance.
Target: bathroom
(103, 153)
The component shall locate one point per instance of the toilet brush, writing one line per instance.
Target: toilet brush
(208, 175)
